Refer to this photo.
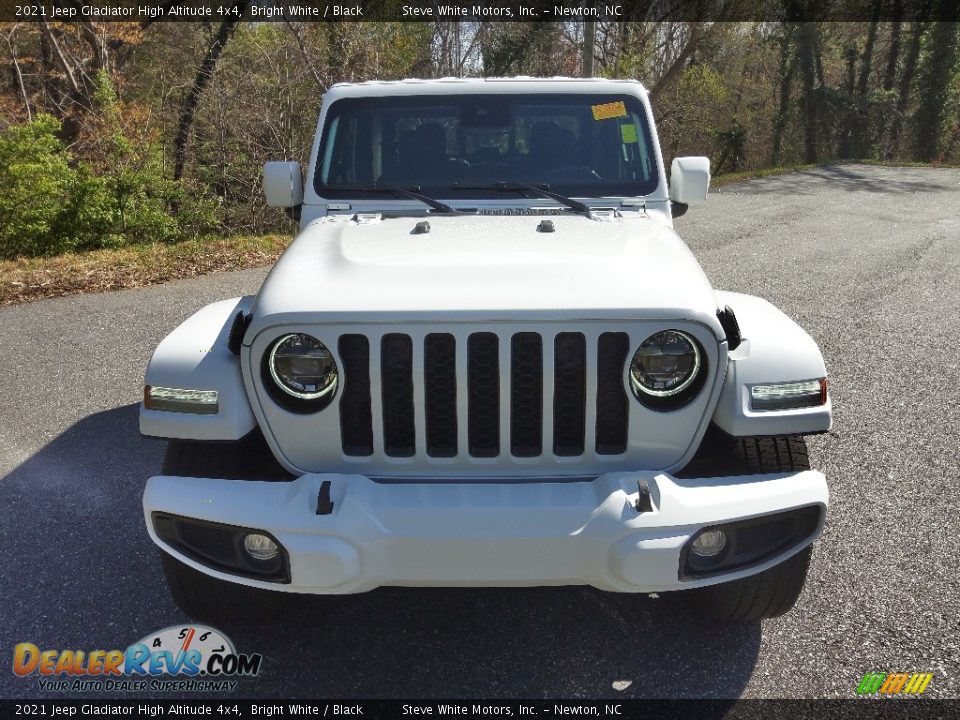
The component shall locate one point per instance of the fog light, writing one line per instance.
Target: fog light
(709, 543)
(260, 547)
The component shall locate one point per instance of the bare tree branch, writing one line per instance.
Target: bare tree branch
(696, 36)
(58, 51)
(18, 71)
(207, 68)
(297, 32)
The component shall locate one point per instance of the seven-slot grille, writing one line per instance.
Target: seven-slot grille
(483, 395)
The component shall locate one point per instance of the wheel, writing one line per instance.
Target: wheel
(249, 458)
(200, 596)
(721, 455)
(209, 599)
(772, 592)
(765, 595)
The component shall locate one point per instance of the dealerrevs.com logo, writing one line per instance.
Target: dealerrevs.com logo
(178, 658)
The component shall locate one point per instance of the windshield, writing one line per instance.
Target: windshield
(585, 145)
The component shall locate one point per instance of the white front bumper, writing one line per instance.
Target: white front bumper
(469, 534)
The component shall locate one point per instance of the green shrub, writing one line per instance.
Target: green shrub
(53, 203)
(36, 178)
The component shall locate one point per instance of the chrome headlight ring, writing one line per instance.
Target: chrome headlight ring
(667, 370)
(300, 372)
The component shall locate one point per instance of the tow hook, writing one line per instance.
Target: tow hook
(324, 503)
(644, 503)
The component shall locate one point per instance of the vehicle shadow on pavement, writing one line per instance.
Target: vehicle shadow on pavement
(508, 642)
(840, 177)
(85, 575)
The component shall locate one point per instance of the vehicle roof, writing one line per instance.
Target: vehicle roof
(414, 86)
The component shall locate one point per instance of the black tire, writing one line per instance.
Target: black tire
(247, 459)
(766, 595)
(200, 596)
(209, 599)
(721, 455)
(772, 592)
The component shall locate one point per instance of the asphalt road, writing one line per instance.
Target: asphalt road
(867, 259)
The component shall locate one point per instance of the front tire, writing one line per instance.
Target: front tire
(772, 592)
(197, 594)
(212, 600)
(765, 595)
(249, 458)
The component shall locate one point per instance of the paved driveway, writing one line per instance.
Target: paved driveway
(866, 258)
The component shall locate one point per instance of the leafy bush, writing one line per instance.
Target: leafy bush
(54, 203)
(36, 178)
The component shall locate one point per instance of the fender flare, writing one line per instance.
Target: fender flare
(196, 356)
(774, 349)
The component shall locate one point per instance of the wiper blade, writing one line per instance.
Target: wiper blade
(411, 192)
(543, 190)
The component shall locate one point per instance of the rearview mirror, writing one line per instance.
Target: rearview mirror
(282, 184)
(689, 179)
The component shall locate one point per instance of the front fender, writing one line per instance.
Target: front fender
(774, 349)
(195, 356)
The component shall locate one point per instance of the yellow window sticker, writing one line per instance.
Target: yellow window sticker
(628, 133)
(609, 110)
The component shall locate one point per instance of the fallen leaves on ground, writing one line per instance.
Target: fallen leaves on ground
(29, 279)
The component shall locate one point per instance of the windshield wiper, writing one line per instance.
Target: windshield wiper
(543, 190)
(411, 192)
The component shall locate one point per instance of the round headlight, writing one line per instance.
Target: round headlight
(665, 364)
(302, 367)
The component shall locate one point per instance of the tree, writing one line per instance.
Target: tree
(934, 84)
(786, 68)
(807, 51)
(907, 78)
(200, 82)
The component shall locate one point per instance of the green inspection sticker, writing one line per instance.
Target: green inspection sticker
(628, 133)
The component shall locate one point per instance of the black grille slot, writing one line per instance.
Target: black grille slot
(440, 387)
(526, 395)
(771, 534)
(483, 394)
(612, 411)
(356, 421)
(569, 393)
(208, 541)
(396, 371)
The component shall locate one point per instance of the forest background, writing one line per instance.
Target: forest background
(135, 137)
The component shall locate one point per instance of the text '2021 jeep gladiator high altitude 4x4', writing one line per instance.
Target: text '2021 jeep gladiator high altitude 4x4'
(486, 360)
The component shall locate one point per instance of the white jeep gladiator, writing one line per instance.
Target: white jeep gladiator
(486, 360)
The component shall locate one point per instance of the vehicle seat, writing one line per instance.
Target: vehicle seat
(423, 159)
(551, 146)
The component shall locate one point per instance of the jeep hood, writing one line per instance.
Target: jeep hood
(485, 267)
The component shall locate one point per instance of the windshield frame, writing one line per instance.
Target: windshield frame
(450, 192)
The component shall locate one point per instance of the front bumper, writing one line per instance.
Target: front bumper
(471, 534)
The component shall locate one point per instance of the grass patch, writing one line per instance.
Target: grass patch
(29, 279)
(727, 178)
(910, 163)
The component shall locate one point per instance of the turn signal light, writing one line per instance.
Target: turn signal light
(789, 396)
